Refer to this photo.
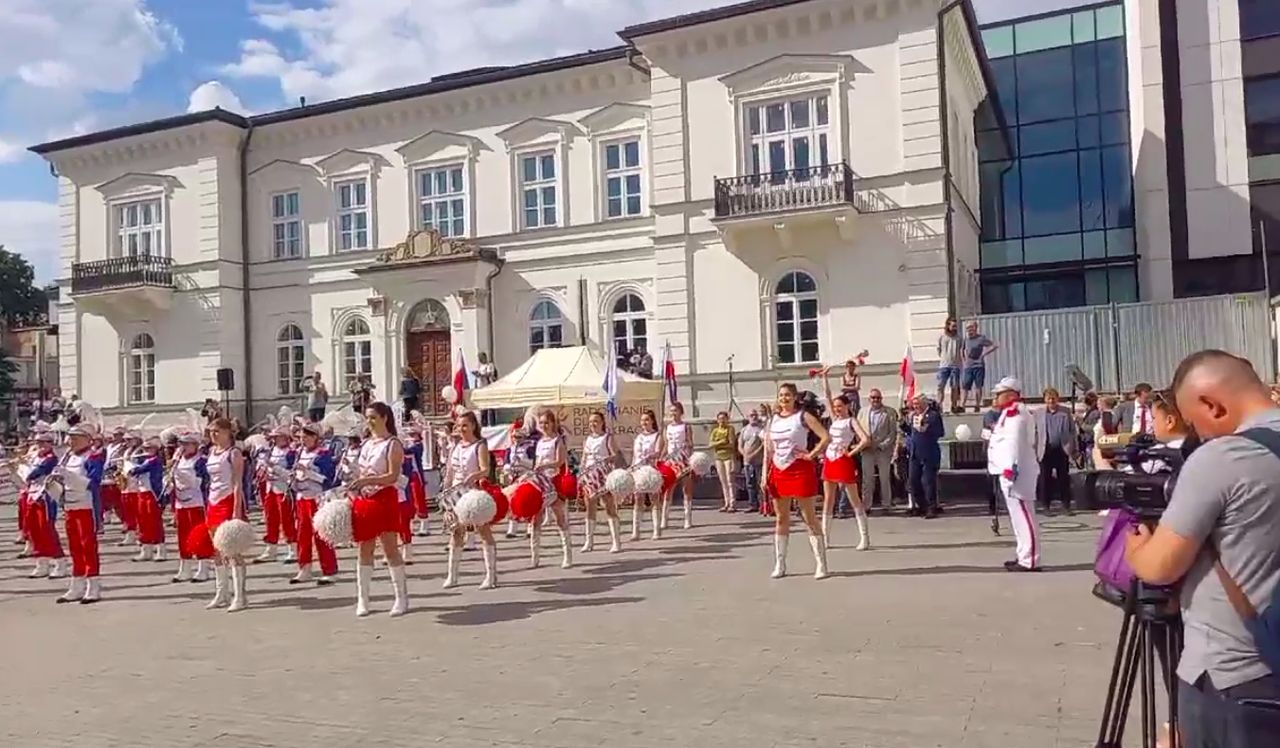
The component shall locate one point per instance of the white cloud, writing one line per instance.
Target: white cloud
(9, 151)
(214, 94)
(30, 228)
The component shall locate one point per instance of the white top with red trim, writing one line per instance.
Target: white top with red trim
(788, 435)
(677, 440)
(464, 461)
(842, 433)
(221, 477)
(595, 450)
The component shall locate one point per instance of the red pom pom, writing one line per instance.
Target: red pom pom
(668, 476)
(367, 521)
(815, 372)
(499, 500)
(566, 484)
(200, 541)
(526, 502)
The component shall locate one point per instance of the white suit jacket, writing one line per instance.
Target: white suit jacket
(1014, 444)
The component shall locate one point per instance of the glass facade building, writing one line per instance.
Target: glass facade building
(1056, 180)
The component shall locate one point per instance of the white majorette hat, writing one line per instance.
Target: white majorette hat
(189, 437)
(1008, 384)
(282, 430)
(81, 430)
(44, 436)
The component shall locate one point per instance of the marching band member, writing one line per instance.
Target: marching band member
(839, 470)
(128, 499)
(23, 469)
(1012, 457)
(790, 476)
(404, 507)
(189, 477)
(81, 474)
(679, 443)
(644, 451)
(414, 449)
(378, 472)
(468, 465)
(599, 452)
(147, 473)
(314, 472)
(225, 468)
(550, 459)
(42, 510)
(277, 508)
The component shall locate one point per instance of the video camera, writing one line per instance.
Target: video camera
(1146, 472)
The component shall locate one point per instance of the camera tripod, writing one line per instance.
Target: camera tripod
(1149, 632)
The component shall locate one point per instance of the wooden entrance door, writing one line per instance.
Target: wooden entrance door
(428, 354)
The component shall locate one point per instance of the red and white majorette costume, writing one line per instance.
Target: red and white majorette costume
(379, 509)
(81, 473)
(792, 476)
(188, 476)
(313, 474)
(677, 459)
(42, 510)
(229, 574)
(464, 462)
(544, 472)
(277, 504)
(839, 467)
(644, 451)
(597, 462)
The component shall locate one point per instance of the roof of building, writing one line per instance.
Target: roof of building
(703, 16)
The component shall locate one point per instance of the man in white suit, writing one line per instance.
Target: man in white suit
(1012, 456)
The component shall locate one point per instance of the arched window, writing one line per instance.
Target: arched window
(546, 326)
(291, 360)
(630, 327)
(795, 319)
(142, 369)
(357, 351)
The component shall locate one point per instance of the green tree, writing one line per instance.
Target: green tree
(22, 302)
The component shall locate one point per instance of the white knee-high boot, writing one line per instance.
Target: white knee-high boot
(655, 514)
(490, 552)
(666, 513)
(688, 513)
(780, 543)
(202, 571)
(615, 535)
(221, 585)
(400, 584)
(181, 574)
(636, 509)
(590, 544)
(819, 556)
(364, 578)
(239, 597)
(826, 524)
(864, 532)
(535, 543)
(451, 574)
(566, 545)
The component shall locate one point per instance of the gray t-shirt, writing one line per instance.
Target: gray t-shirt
(1228, 493)
(974, 345)
(950, 351)
(317, 396)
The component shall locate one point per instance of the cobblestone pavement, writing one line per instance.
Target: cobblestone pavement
(923, 641)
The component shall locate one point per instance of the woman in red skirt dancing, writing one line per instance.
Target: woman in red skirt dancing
(599, 454)
(468, 465)
(678, 438)
(839, 470)
(225, 466)
(377, 504)
(789, 475)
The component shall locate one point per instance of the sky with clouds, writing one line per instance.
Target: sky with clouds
(74, 66)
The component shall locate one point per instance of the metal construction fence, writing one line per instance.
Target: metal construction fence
(1120, 345)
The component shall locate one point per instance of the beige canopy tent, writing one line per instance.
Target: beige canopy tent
(562, 376)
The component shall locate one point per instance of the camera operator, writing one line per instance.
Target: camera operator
(1226, 505)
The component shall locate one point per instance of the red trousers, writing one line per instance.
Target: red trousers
(307, 537)
(150, 517)
(42, 531)
(22, 514)
(113, 500)
(278, 512)
(406, 519)
(418, 492)
(187, 520)
(82, 539)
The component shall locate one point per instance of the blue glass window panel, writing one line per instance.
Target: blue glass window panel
(1092, 198)
(442, 182)
(1004, 73)
(1115, 128)
(1117, 179)
(633, 184)
(1259, 18)
(1087, 129)
(459, 227)
(1095, 244)
(1055, 293)
(998, 41)
(1044, 33)
(777, 156)
(614, 207)
(1042, 79)
(455, 180)
(991, 199)
(1085, 59)
(1123, 284)
(530, 198)
(548, 166)
(1120, 243)
(1002, 253)
(612, 157)
(614, 188)
(992, 146)
(800, 153)
(1048, 137)
(1113, 90)
(633, 205)
(1110, 22)
(1095, 288)
(631, 153)
(1082, 27)
(529, 169)
(1049, 194)
(1060, 248)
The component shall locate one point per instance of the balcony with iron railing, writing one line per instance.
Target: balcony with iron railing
(122, 273)
(811, 188)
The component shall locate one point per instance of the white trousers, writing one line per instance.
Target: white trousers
(1021, 502)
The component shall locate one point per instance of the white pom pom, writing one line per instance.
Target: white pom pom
(234, 538)
(647, 479)
(963, 432)
(620, 483)
(449, 394)
(332, 522)
(475, 508)
(702, 463)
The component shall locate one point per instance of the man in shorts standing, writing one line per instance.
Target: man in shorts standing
(976, 348)
(950, 359)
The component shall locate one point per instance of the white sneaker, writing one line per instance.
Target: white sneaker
(181, 574)
(75, 591)
(144, 554)
(92, 592)
(202, 571)
(302, 577)
(41, 570)
(159, 554)
(290, 556)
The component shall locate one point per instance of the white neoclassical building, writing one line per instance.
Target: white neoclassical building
(764, 187)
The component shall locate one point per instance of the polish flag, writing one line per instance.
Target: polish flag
(907, 377)
(669, 374)
(461, 379)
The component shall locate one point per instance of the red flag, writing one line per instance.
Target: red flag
(669, 374)
(907, 376)
(461, 379)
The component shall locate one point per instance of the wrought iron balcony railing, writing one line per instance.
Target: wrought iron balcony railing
(122, 272)
(780, 191)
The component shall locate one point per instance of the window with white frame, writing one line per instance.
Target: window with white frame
(795, 319)
(442, 200)
(140, 228)
(142, 369)
(353, 213)
(630, 326)
(291, 360)
(546, 326)
(357, 351)
(623, 195)
(539, 201)
(787, 136)
(286, 225)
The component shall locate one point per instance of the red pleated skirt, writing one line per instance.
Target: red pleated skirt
(798, 481)
(843, 469)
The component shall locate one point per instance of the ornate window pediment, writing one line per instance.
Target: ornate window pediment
(538, 130)
(349, 159)
(786, 72)
(440, 145)
(616, 116)
(137, 184)
(285, 166)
